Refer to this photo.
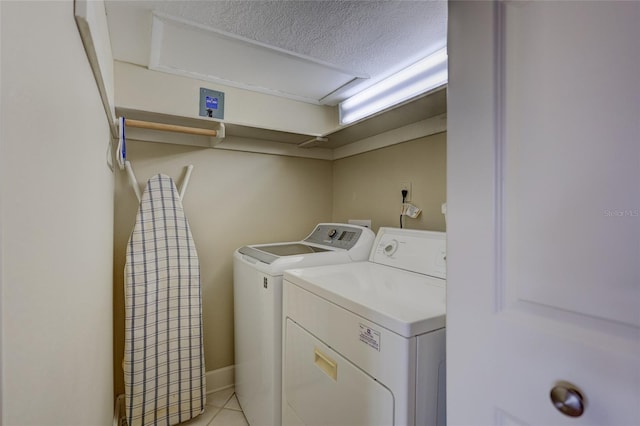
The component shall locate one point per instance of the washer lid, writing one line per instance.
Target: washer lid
(404, 302)
(354, 242)
(289, 249)
(268, 253)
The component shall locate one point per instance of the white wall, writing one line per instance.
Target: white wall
(57, 223)
(1, 245)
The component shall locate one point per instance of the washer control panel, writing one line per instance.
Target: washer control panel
(337, 235)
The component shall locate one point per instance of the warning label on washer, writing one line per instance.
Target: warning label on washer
(370, 336)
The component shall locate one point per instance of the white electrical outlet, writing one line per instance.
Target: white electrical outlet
(361, 222)
(406, 186)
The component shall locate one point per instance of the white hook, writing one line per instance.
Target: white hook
(132, 180)
(185, 182)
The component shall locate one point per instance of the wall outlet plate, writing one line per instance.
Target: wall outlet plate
(406, 186)
(361, 222)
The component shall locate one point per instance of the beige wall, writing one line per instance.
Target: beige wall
(57, 221)
(233, 199)
(237, 198)
(367, 186)
(142, 89)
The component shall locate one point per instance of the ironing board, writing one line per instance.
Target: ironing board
(163, 363)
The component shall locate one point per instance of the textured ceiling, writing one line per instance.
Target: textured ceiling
(374, 38)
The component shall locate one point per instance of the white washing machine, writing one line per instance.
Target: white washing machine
(257, 286)
(364, 343)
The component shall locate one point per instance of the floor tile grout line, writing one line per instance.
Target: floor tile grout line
(226, 401)
(223, 408)
(233, 409)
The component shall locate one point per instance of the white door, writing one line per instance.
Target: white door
(543, 309)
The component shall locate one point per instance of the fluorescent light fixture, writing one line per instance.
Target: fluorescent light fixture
(426, 74)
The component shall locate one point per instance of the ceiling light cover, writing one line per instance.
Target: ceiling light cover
(421, 77)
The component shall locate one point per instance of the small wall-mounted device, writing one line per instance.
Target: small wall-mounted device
(211, 103)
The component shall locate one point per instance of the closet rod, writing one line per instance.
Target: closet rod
(170, 127)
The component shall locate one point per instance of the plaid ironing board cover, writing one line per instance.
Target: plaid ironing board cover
(163, 363)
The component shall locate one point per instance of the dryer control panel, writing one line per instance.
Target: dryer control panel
(424, 252)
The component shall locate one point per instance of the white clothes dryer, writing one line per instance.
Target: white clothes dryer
(364, 343)
(257, 286)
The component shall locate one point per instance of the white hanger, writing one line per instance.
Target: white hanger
(136, 187)
(121, 153)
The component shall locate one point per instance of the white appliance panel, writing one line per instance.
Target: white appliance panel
(378, 316)
(324, 385)
(258, 355)
(258, 309)
(401, 301)
(423, 252)
(387, 356)
(277, 267)
(431, 379)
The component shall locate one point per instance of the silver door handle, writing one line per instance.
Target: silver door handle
(567, 399)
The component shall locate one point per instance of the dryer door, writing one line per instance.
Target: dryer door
(323, 388)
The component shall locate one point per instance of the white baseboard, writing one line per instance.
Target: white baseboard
(221, 378)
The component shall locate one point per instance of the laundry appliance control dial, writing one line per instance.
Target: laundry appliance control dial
(390, 248)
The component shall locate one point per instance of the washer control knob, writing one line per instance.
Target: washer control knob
(332, 233)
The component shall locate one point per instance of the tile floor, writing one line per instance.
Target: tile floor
(222, 409)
